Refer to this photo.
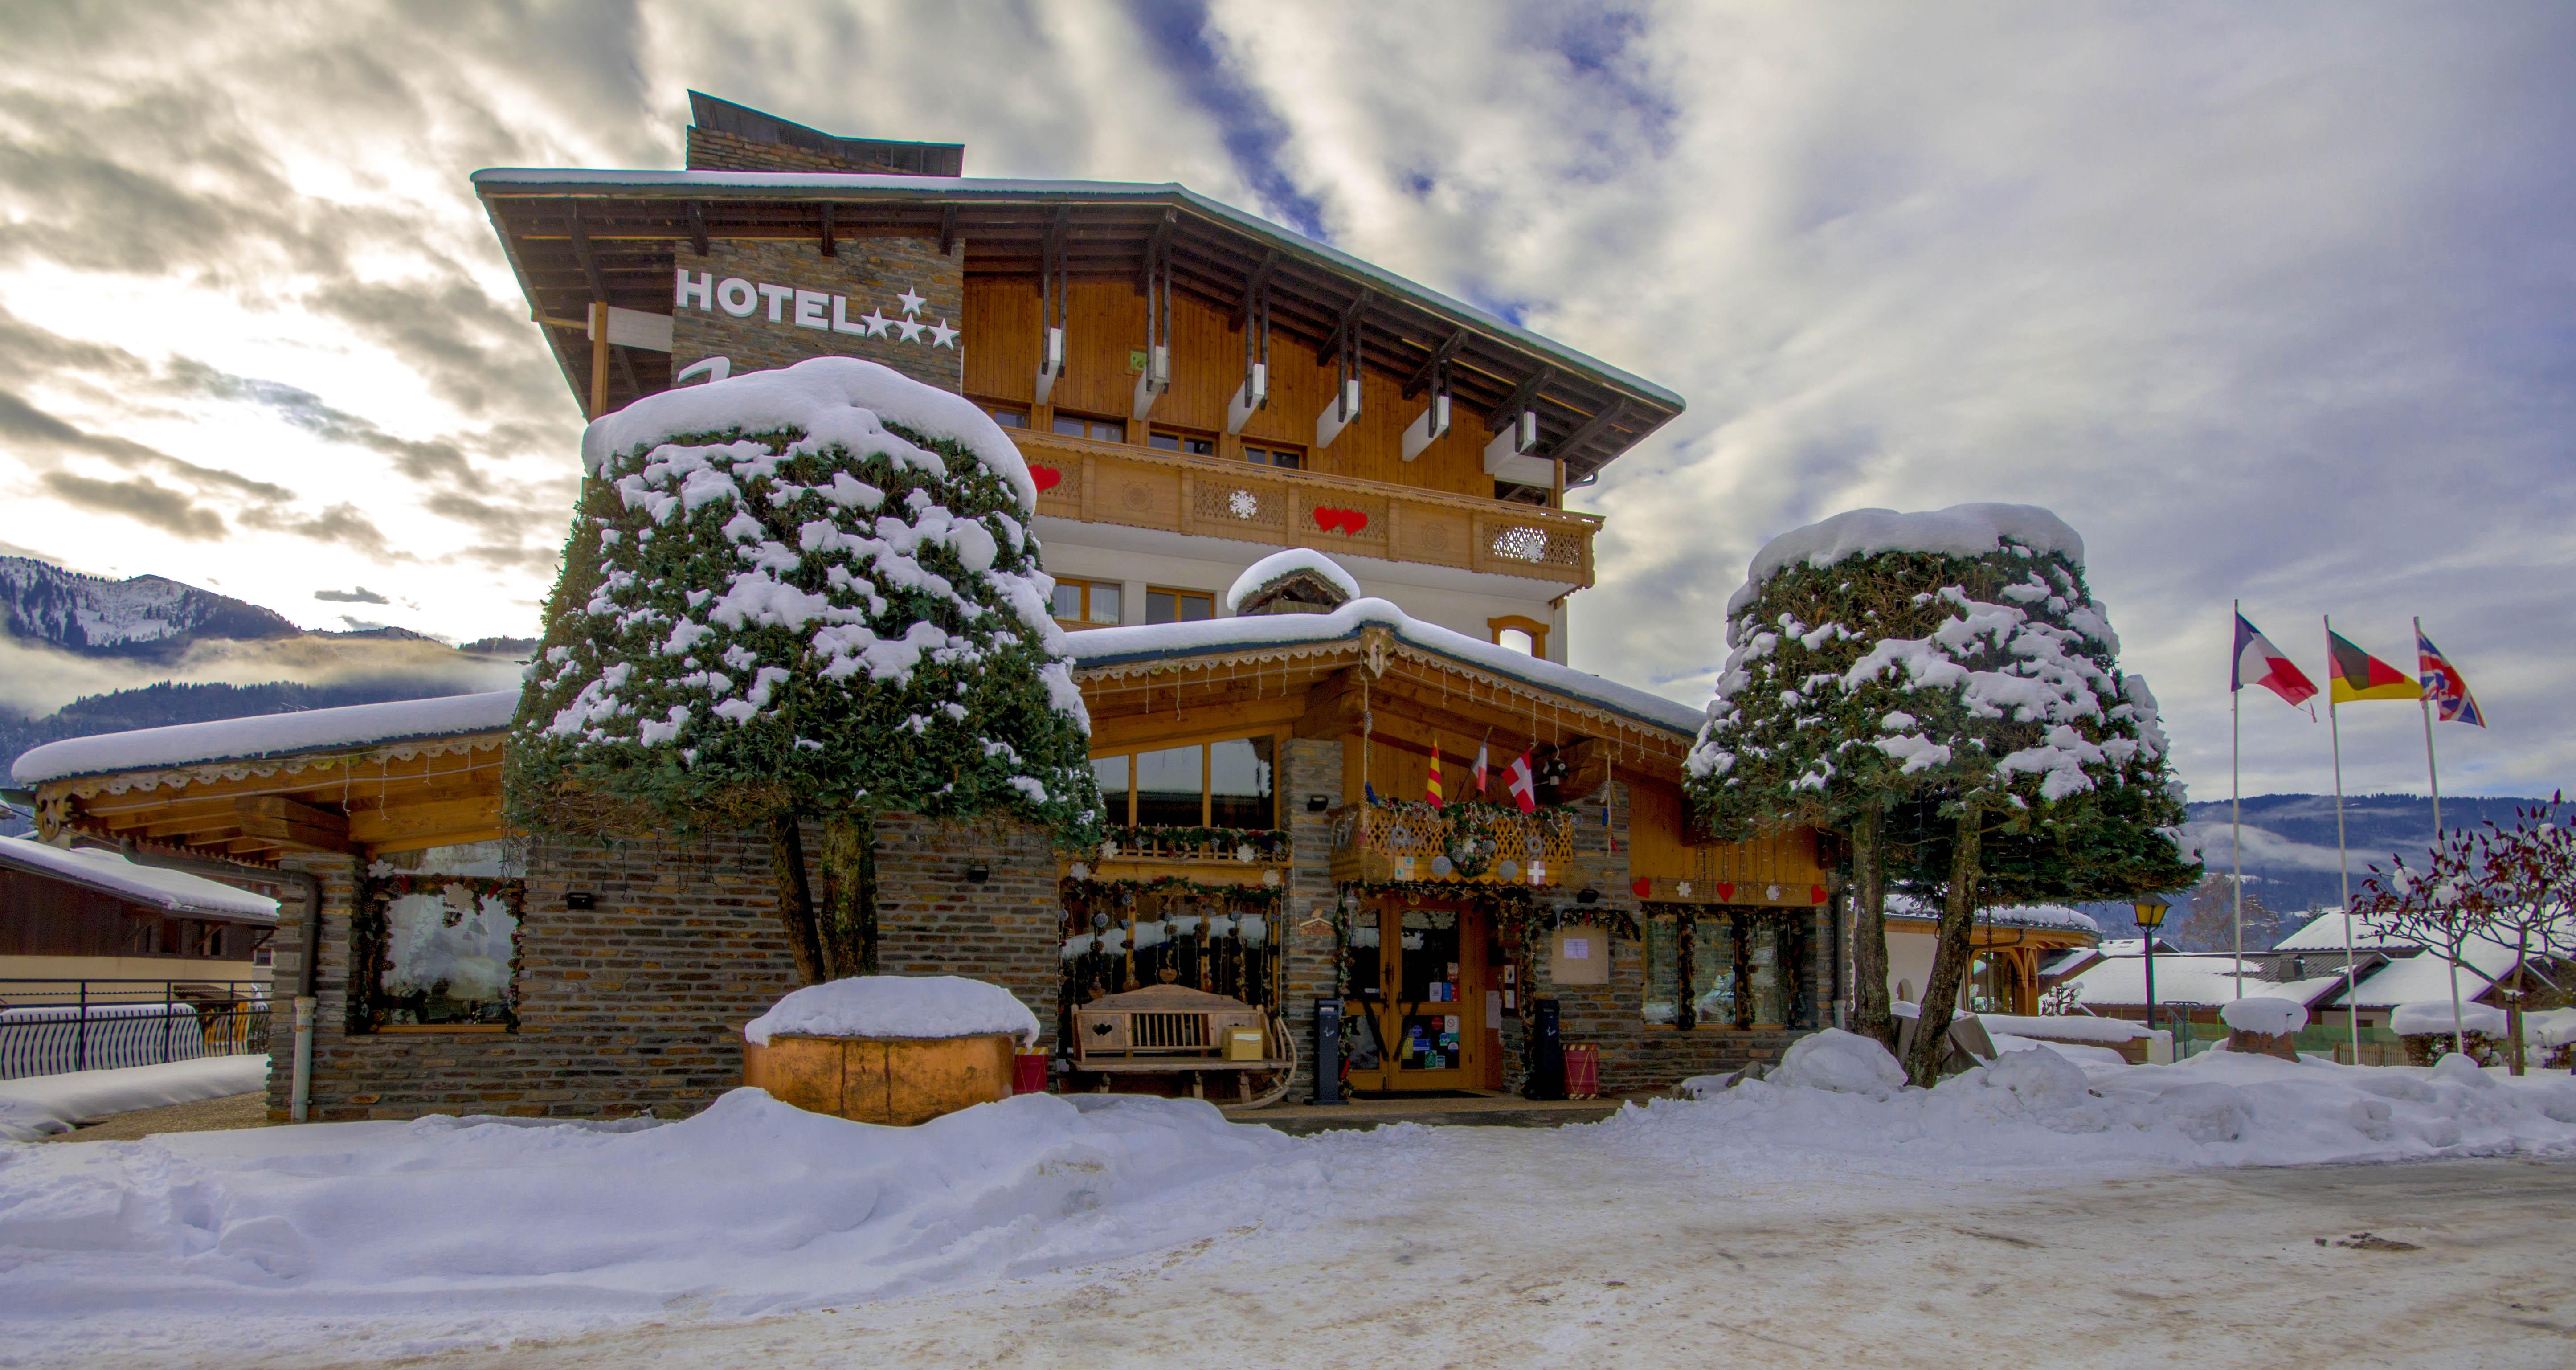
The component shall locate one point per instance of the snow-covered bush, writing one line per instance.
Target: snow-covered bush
(1844, 1062)
(810, 592)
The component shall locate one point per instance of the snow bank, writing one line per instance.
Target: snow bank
(2036, 1116)
(1843, 1062)
(237, 739)
(47, 1104)
(896, 1006)
(1962, 530)
(2071, 1027)
(750, 1206)
(832, 399)
(2264, 1013)
(111, 873)
(2554, 1027)
(2426, 1016)
(1279, 564)
(2074, 1051)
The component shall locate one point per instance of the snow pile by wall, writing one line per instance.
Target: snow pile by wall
(1280, 564)
(2068, 1027)
(748, 1207)
(2267, 1014)
(2039, 1114)
(47, 1104)
(896, 1006)
(2427, 1016)
(1844, 1062)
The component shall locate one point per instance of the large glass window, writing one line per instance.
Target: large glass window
(1171, 787)
(1239, 784)
(1713, 981)
(1663, 970)
(1086, 603)
(1111, 772)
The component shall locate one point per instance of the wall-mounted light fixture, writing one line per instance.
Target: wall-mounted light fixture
(1587, 895)
(1317, 803)
(978, 873)
(581, 899)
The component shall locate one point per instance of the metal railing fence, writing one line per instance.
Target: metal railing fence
(51, 1027)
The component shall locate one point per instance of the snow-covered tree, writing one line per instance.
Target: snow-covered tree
(809, 593)
(1950, 668)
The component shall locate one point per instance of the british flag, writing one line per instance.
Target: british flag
(2444, 687)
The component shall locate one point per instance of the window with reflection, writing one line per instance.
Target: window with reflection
(1111, 773)
(1239, 784)
(1171, 787)
(1229, 784)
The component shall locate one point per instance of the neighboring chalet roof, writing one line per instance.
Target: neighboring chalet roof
(2325, 932)
(111, 874)
(2120, 981)
(2070, 963)
(2137, 946)
(1098, 648)
(269, 735)
(2426, 976)
(573, 235)
(2036, 917)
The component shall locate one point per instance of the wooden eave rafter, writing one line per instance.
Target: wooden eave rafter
(625, 239)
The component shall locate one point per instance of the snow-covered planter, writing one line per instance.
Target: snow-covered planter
(2265, 1024)
(888, 1049)
(809, 593)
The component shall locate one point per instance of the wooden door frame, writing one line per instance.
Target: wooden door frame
(1475, 976)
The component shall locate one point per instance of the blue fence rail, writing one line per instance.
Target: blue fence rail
(50, 1027)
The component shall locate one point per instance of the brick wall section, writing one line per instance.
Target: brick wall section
(715, 150)
(637, 1004)
(869, 272)
(1308, 767)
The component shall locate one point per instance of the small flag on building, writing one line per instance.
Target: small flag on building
(2258, 662)
(1479, 772)
(1522, 785)
(2356, 675)
(2444, 687)
(1431, 787)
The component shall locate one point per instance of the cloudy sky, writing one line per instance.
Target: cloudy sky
(2275, 302)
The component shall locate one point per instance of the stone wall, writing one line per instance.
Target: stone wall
(867, 276)
(716, 150)
(637, 1004)
(1308, 767)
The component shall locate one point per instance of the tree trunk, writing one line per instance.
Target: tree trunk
(1870, 1014)
(849, 895)
(795, 896)
(1949, 955)
(2513, 1006)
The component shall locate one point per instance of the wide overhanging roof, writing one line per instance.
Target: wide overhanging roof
(576, 235)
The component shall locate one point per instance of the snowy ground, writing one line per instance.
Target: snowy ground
(2030, 1201)
(45, 1104)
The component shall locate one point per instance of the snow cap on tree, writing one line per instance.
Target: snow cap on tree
(810, 590)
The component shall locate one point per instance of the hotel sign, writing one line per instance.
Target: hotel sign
(823, 311)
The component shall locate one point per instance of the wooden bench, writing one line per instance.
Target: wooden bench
(1168, 1029)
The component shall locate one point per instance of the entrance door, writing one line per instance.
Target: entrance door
(1428, 1009)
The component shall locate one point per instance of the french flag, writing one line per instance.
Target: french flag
(2258, 662)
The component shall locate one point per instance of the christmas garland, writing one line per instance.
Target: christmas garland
(1259, 898)
(1148, 840)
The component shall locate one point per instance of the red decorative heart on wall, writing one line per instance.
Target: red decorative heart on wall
(1353, 520)
(1641, 887)
(1815, 894)
(1047, 477)
(1327, 519)
(1725, 892)
(1347, 521)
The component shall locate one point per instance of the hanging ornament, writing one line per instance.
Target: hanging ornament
(1109, 850)
(1245, 852)
(1683, 889)
(1510, 871)
(1081, 871)
(1442, 865)
(1270, 877)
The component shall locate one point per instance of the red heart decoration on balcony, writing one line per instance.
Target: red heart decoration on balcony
(1353, 520)
(1725, 892)
(1641, 887)
(1046, 477)
(1327, 518)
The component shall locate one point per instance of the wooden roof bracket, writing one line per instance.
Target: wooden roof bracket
(830, 247)
(697, 228)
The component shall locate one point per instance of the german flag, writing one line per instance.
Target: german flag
(2354, 674)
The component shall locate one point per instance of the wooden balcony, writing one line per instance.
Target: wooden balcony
(1143, 487)
(1377, 843)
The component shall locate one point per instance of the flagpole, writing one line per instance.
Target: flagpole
(2433, 771)
(2343, 861)
(2236, 797)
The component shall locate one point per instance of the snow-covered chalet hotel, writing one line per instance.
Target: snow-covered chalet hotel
(1308, 517)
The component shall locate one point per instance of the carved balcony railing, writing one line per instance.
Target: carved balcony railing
(1469, 845)
(1143, 487)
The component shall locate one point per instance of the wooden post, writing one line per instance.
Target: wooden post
(598, 359)
(1556, 497)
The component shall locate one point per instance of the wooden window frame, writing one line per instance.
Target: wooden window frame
(1206, 743)
(1088, 421)
(1181, 438)
(1088, 584)
(1178, 594)
(1686, 954)
(1305, 459)
(1019, 409)
(1537, 632)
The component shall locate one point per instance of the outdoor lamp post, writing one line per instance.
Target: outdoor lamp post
(2151, 916)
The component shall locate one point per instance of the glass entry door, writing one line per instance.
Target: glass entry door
(1421, 989)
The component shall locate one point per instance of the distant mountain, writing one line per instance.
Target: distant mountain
(146, 616)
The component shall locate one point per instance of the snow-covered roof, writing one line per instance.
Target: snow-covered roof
(109, 873)
(965, 189)
(2428, 977)
(2121, 981)
(2137, 946)
(829, 399)
(240, 739)
(2325, 932)
(2038, 917)
(1280, 564)
(2071, 962)
(2423, 1016)
(1962, 530)
(1098, 647)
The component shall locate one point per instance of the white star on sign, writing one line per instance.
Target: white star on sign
(941, 335)
(877, 323)
(910, 328)
(912, 303)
